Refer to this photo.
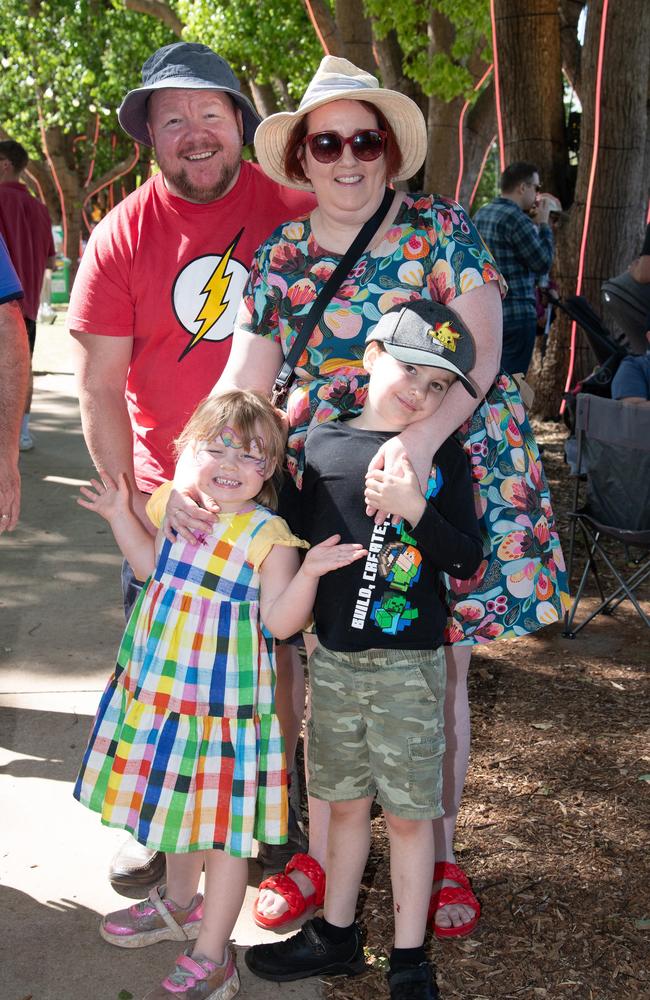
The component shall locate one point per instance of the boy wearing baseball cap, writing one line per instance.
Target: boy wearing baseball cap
(378, 674)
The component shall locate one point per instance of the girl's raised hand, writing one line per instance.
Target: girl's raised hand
(105, 497)
(329, 555)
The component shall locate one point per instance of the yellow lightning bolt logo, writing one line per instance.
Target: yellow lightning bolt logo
(445, 334)
(215, 303)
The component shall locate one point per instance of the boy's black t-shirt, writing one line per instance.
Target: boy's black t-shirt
(391, 598)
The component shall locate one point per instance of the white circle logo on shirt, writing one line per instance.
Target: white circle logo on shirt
(206, 296)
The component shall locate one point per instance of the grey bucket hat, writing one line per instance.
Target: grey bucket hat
(427, 333)
(186, 66)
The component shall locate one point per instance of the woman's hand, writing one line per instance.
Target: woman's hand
(391, 458)
(329, 555)
(400, 495)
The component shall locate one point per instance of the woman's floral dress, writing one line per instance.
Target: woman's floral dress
(431, 251)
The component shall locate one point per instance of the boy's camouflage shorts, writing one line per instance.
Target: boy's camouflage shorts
(377, 726)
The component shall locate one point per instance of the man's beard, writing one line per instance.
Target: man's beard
(201, 195)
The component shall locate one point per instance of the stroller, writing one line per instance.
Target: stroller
(608, 349)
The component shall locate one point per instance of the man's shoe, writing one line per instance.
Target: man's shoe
(417, 982)
(306, 954)
(135, 868)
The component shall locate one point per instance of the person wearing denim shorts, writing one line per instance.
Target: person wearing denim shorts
(377, 676)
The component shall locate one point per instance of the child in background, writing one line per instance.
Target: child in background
(377, 677)
(186, 751)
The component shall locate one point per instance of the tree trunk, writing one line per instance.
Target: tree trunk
(326, 27)
(530, 79)
(441, 169)
(356, 34)
(264, 97)
(160, 10)
(570, 11)
(620, 191)
(478, 134)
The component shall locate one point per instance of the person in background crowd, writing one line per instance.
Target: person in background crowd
(632, 380)
(517, 231)
(14, 380)
(26, 226)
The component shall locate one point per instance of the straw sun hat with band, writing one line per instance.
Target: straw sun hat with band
(340, 80)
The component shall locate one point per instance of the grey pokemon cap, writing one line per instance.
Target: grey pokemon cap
(427, 333)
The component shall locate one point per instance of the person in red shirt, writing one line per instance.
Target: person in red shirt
(154, 302)
(14, 369)
(26, 226)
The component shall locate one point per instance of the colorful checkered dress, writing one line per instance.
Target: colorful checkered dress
(186, 751)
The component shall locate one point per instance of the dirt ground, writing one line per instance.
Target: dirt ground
(554, 826)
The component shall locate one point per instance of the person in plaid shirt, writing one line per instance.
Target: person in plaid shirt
(523, 249)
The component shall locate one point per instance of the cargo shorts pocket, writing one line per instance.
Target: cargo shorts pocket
(425, 753)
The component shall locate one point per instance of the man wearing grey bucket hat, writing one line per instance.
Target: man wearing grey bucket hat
(154, 302)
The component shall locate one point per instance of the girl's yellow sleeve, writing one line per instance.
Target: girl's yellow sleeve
(157, 504)
(276, 531)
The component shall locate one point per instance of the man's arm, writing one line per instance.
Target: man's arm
(101, 366)
(533, 244)
(14, 378)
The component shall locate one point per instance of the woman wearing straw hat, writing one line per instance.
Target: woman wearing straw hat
(347, 141)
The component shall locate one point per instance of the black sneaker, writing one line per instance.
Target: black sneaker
(305, 954)
(415, 983)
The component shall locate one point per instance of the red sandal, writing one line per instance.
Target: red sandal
(298, 904)
(453, 894)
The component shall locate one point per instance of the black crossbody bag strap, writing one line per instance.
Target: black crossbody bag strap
(327, 293)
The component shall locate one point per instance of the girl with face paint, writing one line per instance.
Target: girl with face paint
(186, 751)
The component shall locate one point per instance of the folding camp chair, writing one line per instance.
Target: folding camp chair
(613, 461)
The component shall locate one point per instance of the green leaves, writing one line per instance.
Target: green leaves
(439, 39)
(71, 60)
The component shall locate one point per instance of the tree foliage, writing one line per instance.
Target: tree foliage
(266, 43)
(444, 73)
(67, 61)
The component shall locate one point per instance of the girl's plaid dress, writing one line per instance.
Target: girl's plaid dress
(186, 751)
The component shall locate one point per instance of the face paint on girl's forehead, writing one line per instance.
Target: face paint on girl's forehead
(231, 439)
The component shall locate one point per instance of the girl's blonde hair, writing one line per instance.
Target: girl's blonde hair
(250, 414)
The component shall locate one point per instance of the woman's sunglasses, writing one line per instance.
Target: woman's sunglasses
(366, 144)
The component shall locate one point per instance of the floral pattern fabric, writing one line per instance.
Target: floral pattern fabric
(432, 251)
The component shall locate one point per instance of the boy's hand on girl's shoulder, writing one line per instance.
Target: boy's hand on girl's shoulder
(399, 495)
(106, 497)
(329, 555)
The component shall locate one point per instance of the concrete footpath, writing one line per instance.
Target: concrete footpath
(60, 625)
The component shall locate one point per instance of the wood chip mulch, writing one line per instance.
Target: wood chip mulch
(554, 826)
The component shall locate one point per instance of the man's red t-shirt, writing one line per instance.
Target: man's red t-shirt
(170, 274)
(27, 229)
